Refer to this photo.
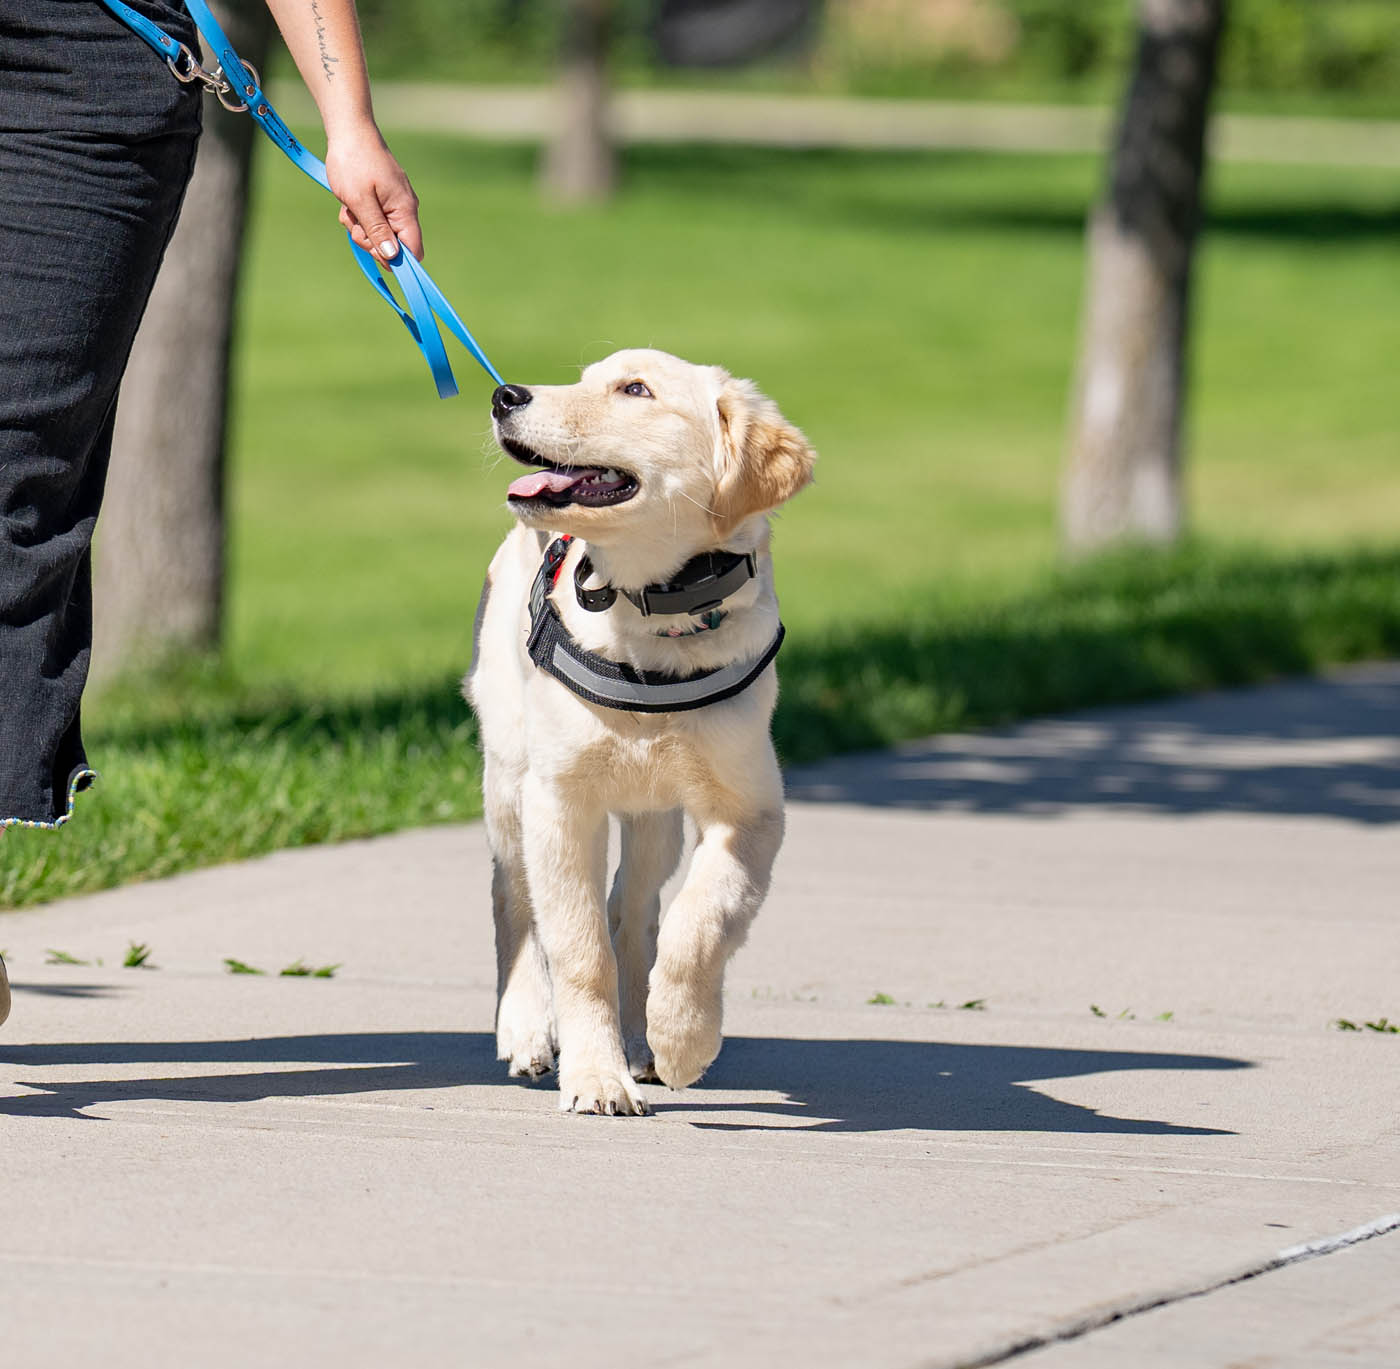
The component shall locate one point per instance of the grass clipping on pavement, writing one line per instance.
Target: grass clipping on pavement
(210, 773)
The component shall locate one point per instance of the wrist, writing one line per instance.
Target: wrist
(348, 126)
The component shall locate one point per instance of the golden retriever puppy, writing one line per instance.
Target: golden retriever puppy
(623, 665)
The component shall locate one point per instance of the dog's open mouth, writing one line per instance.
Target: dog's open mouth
(591, 486)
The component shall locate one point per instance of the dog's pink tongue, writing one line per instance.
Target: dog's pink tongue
(537, 482)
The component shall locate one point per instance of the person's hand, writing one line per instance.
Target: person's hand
(377, 203)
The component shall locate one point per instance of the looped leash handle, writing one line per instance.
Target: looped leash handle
(424, 304)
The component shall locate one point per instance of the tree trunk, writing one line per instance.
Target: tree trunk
(1123, 479)
(159, 555)
(580, 164)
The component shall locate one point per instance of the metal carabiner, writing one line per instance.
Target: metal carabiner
(184, 66)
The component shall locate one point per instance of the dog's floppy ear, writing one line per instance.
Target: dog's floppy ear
(763, 460)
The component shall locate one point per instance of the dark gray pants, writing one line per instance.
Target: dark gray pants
(97, 141)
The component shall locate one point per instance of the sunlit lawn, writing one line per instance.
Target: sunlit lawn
(915, 313)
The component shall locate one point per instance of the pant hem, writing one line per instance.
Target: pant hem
(80, 779)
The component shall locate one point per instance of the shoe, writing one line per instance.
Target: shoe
(4, 992)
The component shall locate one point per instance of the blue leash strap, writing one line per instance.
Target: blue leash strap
(241, 82)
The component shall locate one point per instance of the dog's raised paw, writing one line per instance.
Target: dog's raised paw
(601, 1091)
(683, 1031)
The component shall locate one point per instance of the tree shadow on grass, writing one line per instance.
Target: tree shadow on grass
(840, 1085)
(1334, 223)
(1016, 194)
(431, 715)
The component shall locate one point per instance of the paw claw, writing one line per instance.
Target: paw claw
(531, 1068)
(640, 1065)
(529, 1053)
(603, 1093)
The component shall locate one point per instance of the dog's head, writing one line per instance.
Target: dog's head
(647, 447)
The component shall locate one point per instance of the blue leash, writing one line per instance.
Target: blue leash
(239, 88)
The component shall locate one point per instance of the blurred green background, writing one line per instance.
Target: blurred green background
(916, 312)
(1281, 54)
(923, 336)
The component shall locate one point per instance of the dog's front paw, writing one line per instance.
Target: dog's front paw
(683, 1029)
(599, 1089)
(524, 1037)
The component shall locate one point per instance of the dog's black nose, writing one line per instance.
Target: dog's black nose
(508, 397)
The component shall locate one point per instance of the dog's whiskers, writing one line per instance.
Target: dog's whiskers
(714, 513)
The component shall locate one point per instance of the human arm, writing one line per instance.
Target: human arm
(378, 205)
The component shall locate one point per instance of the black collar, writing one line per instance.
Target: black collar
(702, 584)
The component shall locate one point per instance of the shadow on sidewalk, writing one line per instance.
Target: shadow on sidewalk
(930, 1086)
(365, 1062)
(840, 1085)
(1328, 747)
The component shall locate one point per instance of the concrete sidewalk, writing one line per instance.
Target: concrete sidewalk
(1158, 913)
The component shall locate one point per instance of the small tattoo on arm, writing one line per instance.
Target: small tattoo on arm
(328, 62)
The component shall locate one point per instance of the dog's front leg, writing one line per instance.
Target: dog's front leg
(704, 926)
(565, 861)
(651, 850)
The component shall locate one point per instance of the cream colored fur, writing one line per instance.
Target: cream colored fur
(578, 972)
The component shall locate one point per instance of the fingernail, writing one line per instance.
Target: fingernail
(389, 249)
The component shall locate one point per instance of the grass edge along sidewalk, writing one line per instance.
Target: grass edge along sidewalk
(209, 772)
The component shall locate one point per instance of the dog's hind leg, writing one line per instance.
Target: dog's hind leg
(525, 1034)
(651, 850)
(566, 855)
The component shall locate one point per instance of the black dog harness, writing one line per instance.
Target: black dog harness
(700, 586)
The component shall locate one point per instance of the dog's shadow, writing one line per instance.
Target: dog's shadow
(861, 1085)
(839, 1085)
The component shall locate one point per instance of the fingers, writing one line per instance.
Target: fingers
(411, 235)
(382, 231)
(357, 234)
(374, 231)
(400, 206)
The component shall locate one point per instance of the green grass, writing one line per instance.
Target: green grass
(915, 313)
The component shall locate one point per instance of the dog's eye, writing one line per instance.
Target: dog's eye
(637, 389)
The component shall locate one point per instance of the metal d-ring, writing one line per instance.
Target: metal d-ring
(228, 94)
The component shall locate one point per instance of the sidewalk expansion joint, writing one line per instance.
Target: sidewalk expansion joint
(1294, 1254)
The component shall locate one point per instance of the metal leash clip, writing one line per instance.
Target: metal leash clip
(185, 67)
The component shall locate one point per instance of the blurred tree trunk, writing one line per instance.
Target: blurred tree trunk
(159, 556)
(1123, 478)
(580, 163)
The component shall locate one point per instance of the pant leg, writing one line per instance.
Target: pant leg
(97, 143)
